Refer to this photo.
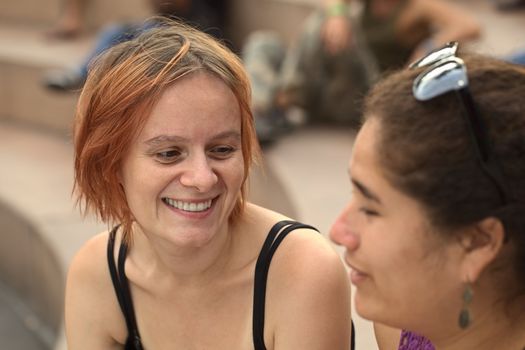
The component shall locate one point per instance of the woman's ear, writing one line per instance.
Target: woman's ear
(482, 244)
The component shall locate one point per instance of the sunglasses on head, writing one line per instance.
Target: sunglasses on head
(445, 72)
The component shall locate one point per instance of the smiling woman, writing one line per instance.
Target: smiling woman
(164, 141)
(435, 230)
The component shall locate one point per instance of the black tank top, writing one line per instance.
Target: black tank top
(120, 282)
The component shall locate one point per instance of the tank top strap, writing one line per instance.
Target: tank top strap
(112, 266)
(121, 286)
(276, 235)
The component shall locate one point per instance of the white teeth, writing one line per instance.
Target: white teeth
(194, 207)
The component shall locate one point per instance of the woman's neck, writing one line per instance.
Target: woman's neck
(493, 329)
(183, 265)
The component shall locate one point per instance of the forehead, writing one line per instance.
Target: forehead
(199, 101)
(365, 166)
(364, 153)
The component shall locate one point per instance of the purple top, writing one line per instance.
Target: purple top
(412, 341)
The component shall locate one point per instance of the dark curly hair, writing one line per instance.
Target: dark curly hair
(426, 152)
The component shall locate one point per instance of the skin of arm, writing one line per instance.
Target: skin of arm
(449, 21)
(92, 314)
(308, 296)
(387, 337)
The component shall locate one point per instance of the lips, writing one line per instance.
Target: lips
(356, 275)
(189, 206)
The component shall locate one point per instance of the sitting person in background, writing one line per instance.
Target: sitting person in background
(399, 31)
(435, 229)
(517, 57)
(206, 15)
(164, 142)
(338, 57)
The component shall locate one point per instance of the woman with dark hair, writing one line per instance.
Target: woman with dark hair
(435, 229)
(164, 141)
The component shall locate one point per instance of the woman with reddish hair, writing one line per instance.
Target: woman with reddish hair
(164, 141)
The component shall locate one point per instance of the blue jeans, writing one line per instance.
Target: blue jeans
(518, 58)
(111, 36)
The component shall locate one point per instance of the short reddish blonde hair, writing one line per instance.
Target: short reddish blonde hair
(122, 87)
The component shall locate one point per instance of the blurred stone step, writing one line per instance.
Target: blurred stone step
(25, 56)
(42, 15)
(40, 227)
(17, 324)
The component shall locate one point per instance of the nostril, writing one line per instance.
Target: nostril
(203, 179)
(341, 235)
(335, 233)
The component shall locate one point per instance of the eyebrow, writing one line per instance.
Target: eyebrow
(174, 138)
(365, 191)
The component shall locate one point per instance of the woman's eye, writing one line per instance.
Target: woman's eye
(222, 152)
(167, 156)
(368, 212)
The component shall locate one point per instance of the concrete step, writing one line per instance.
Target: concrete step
(25, 56)
(41, 229)
(97, 13)
(503, 32)
(245, 15)
(29, 12)
(18, 325)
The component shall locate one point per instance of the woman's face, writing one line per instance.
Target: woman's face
(404, 274)
(183, 173)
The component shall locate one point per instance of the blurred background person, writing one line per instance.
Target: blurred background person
(337, 57)
(206, 15)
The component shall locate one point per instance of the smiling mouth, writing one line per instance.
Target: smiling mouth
(193, 207)
(352, 266)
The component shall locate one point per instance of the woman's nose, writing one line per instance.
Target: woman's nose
(342, 233)
(199, 174)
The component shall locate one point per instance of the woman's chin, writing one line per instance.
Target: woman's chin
(365, 307)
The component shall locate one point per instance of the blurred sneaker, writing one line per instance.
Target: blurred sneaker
(271, 125)
(64, 80)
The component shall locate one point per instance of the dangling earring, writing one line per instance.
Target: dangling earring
(464, 315)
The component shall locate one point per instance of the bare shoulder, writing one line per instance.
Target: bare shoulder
(303, 249)
(85, 261)
(91, 310)
(89, 267)
(308, 295)
(306, 257)
(255, 215)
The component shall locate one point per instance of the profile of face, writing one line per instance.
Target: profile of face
(404, 273)
(183, 173)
